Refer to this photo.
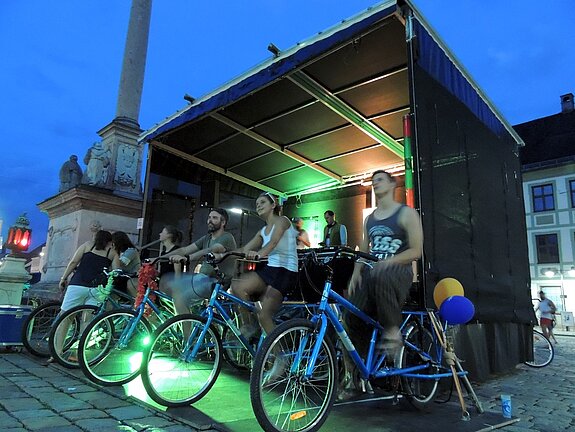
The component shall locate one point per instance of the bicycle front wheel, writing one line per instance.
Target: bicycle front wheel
(420, 349)
(66, 332)
(182, 362)
(234, 352)
(110, 349)
(37, 326)
(543, 351)
(283, 397)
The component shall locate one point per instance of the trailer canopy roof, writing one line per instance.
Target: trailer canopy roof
(325, 113)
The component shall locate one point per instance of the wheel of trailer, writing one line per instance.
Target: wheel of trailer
(420, 391)
(36, 328)
(543, 351)
(283, 398)
(111, 347)
(182, 362)
(66, 333)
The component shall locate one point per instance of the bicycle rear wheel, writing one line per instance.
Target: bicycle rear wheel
(36, 328)
(283, 398)
(420, 349)
(172, 375)
(110, 349)
(543, 351)
(66, 332)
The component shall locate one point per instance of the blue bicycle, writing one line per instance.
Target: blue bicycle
(184, 359)
(295, 374)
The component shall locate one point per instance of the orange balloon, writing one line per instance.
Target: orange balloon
(446, 287)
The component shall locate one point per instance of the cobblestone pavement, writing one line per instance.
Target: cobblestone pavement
(34, 397)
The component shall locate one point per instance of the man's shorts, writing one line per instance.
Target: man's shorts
(546, 322)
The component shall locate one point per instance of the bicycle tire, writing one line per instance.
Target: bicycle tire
(420, 391)
(271, 385)
(543, 351)
(36, 328)
(170, 378)
(111, 347)
(76, 320)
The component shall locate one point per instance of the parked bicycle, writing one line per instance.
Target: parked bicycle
(543, 351)
(295, 373)
(37, 326)
(67, 328)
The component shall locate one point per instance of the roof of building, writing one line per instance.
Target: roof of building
(548, 139)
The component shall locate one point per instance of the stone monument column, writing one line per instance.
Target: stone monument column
(121, 135)
(110, 195)
(134, 65)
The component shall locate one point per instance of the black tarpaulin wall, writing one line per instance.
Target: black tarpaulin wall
(472, 208)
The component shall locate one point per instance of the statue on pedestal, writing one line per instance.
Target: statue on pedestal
(70, 174)
(97, 160)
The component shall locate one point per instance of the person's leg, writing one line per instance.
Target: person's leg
(389, 286)
(75, 296)
(187, 290)
(249, 287)
(271, 302)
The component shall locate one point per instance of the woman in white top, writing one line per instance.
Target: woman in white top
(277, 242)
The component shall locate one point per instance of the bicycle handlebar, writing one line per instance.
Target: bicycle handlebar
(211, 258)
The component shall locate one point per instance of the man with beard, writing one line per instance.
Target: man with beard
(189, 289)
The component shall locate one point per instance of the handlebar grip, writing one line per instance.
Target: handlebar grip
(366, 256)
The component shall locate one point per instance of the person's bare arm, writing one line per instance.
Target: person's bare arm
(355, 279)
(410, 221)
(304, 238)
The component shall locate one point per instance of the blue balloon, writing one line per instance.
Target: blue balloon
(457, 310)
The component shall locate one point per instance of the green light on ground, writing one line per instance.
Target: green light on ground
(146, 341)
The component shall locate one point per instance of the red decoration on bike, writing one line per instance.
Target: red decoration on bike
(146, 279)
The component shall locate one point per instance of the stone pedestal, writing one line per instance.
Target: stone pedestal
(13, 276)
(121, 138)
(74, 217)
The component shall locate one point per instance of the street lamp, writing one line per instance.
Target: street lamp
(19, 235)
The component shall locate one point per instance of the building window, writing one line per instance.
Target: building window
(543, 199)
(547, 249)
(572, 192)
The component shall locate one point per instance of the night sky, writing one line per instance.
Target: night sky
(61, 63)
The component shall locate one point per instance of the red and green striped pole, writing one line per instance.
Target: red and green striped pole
(408, 160)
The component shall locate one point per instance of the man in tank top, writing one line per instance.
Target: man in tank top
(394, 234)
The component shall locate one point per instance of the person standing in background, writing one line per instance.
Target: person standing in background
(302, 236)
(334, 233)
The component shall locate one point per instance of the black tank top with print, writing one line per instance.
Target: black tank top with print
(386, 237)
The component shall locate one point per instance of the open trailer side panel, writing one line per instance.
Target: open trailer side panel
(470, 196)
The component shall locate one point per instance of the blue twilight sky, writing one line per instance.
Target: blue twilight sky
(61, 63)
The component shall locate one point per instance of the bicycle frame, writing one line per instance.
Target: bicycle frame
(214, 304)
(373, 364)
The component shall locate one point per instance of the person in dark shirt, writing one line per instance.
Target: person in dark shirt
(170, 240)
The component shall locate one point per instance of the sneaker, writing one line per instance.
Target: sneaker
(389, 346)
(276, 372)
(249, 331)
